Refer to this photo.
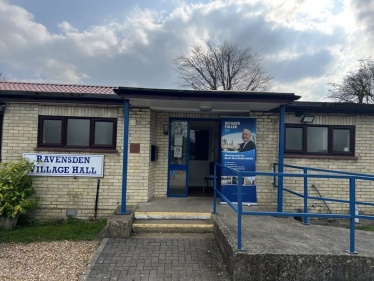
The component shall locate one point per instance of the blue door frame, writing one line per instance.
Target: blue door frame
(172, 167)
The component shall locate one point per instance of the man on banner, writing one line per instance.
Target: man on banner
(247, 144)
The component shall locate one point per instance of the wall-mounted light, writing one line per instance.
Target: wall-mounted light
(2, 107)
(166, 130)
(205, 108)
(307, 119)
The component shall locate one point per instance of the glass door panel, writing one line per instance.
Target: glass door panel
(177, 182)
(178, 158)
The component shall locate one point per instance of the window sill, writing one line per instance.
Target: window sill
(91, 150)
(321, 157)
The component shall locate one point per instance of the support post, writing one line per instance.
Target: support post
(282, 111)
(215, 188)
(352, 212)
(306, 219)
(240, 207)
(126, 116)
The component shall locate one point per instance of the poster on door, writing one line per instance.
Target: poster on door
(238, 151)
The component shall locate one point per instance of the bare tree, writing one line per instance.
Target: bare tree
(356, 87)
(227, 66)
(2, 76)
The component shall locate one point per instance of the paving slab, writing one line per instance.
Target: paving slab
(159, 259)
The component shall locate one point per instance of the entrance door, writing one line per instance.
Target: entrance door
(203, 151)
(178, 158)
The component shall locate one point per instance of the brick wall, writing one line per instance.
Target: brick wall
(336, 188)
(57, 194)
(147, 179)
(138, 168)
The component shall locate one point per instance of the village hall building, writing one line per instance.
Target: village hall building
(136, 144)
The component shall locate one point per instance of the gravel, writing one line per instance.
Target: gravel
(63, 260)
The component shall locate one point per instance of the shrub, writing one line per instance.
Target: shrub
(16, 188)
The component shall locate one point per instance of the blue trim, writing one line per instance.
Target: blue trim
(215, 190)
(306, 219)
(169, 142)
(364, 203)
(281, 157)
(365, 217)
(173, 167)
(285, 214)
(352, 211)
(126, 117)
(330, 171)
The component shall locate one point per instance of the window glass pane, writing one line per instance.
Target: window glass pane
(294, 138)
(103, 133)
(177, 184)
(78, 132)
(199, 145)
(178, 152)
(317, 138)
(52, 131)
(341, 140)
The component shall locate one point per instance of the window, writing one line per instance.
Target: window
(319, 140)
(77, 132)
(199, 145)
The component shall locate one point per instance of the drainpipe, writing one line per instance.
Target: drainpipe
(126, 116)
(281, 156)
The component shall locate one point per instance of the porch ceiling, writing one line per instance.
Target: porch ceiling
(194, 106)
(193, 101)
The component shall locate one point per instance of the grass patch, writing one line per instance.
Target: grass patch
(366, 228)
(71, 230)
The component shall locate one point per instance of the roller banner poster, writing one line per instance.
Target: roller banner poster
(238, 151)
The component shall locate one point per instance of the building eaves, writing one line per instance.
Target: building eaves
(330, 107)
(127, 93)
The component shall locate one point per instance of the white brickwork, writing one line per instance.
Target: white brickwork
(57, 194)
(336, 188)
(148, 179)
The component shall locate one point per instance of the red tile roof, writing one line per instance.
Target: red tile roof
(56, 88)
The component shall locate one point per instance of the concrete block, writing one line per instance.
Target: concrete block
(120, 226)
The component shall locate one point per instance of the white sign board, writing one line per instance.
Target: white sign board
(66, 165)
(177, 152)
(178, 140)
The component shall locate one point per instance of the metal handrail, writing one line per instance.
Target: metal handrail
(352, 177)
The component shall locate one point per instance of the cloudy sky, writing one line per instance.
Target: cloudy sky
(305, 43)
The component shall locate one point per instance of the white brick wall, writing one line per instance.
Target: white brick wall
(56, 194)
(336, 188)
(148, 179)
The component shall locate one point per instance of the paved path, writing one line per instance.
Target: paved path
(159, 259)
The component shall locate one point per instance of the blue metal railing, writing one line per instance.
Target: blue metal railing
(351, 177)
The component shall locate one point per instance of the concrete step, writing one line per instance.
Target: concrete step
(172, 215)
(172, 226)
(169, 235)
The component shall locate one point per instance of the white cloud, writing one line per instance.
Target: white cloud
(67, 28)
(306, 44)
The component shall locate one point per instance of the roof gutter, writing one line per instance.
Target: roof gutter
(232, 96)
(27, 96)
